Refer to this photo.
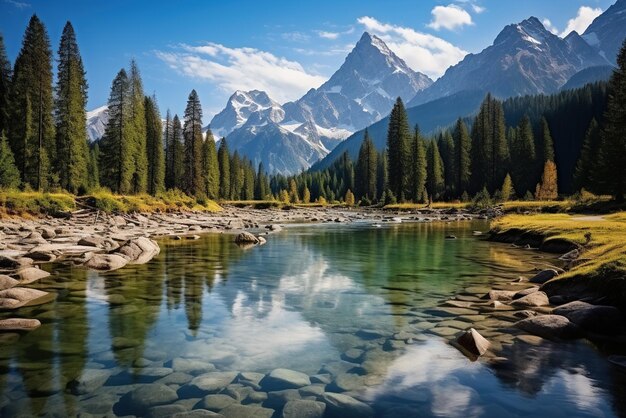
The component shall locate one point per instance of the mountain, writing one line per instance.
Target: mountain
(430, 117)
(359, 93)
(96, 123)
(525, 58)
(607, 32)
(589, 75)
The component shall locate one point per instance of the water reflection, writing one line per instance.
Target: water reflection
(301, 301)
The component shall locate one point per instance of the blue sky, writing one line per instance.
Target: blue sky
(283, 47)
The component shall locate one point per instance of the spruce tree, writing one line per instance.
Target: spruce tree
(178, 155)
(248, 180)
(93, 171)
(462, 147)
(9, 175)
(31, 134)
(72, 157)
(116, 149)
(167, 144)
(418, 166)
(507, 190)
(261, 188)
(138, 131)
(366, 170)
(446, 148)
(236, 177)
(399, 151)
(435, 182)
(5, 84)
(223, 158)
(547, 144)
(210, 166)
(586, 167)
(192, 132)
(612, 150)
(382, 174)
(524, 158)
(154, 147)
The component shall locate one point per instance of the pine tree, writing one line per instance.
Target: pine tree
(547, 143)
(399, 151)
(306, 195)
(138, 131)
(586, 167)
(612, 151)
(366, 170)
(178, 155)
(435, 182)
(154, 147)
(72, 155)
(462, 146)
(116, 149)
(382, 174)
(248, 180)
(223, 158)
(31, 134)
(547, 188)
(9, 175)
(236, 177)
(524, 157)
(93, 171)
(507, 189)
(261, 188)
(5, 84)
(419, 167)
(168, 144)
(210, 166)
(293, 192)
(489, 149)
(192, 132)
(446, 148)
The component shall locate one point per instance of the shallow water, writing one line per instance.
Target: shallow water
(301, 301)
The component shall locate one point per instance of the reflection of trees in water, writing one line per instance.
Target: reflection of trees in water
(49, 357)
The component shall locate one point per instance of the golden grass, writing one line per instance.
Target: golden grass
(15, 202)
(602, 237)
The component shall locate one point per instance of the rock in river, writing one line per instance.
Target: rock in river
(139, 250)
(106, 262)
(593, 318)
(550, 326)
(7, 282)
(30, 274)
(138, 401)
(339, 405)
(89, 381)
(206, 384)
(246, 411)
(18, 324)
(533, 299)
(22, 296)
(544, 276)
(246, 238)
(472, 342)
(304, 409)
(279, 379)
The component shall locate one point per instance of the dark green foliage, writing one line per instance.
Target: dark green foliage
(612, 150)
(587, 166)
(93, 171)
(236, 177)
(31, 133)
(436, 182)
(547, 145)
(525, 174)
(210, 167)
(399, 151)
(418, 174)
(261, 186)
(139, 181)
(447, 151)
(154, 147)
(366, 181)
(72, 149)
(9, 175)
(382, 174)
(462, 157)
(5, 84)
(192, 132)
(116, 149)
(223, 159)
(177, 155)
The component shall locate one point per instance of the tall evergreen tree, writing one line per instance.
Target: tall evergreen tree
(154, 146)
(168, 144)
(462, 157)
(5, 84)
(93, 170)
(446, 148)
(612, 151)
(138, 131)
(366, 170)
(236, 177)
(261, 187)
(399, 151)
(223, 159)
(382, 174)
(524, 158)
(586, 167)
(31, 134)
(248, 181)
(435, 179)
(210, 166)
(547, 144)
(192, 131)
(418, 168)
(9, 176)
(116, 149)
(547, 188)
(178, 155)
(72, 157)
(489, 149)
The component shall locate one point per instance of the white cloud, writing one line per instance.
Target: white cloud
(583, 19)
(477, 9)
(548, 24)
(295, 36)
(328, 35)
(449, 17)
(422, 52)
(242, 69)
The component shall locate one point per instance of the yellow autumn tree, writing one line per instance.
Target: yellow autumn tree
(547, 188)
(284, 196)
(306, 195)
(349, 199)
(293, 191)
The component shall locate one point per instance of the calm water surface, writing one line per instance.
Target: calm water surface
(301, 301)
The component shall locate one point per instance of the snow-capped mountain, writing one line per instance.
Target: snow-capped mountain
(293, 136)
(525, 58)
(96, 123)
(607, 32)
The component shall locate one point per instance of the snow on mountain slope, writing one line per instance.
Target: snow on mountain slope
(96, 123)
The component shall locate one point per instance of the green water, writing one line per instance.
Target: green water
(301, 302)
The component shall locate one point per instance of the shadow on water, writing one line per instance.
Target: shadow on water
(301, 301)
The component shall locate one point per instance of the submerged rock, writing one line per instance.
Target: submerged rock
(22, 296)
(89, 381)
(215, 402)
(7, 282)
(246, 411)
(550, 326)
(18, 324)
(139, 250)
(279, 379)
(304, 409)
(138, 401)
(206, 384)
(472, 342)
(544, 276)
(246, 238)
(339, 405)
(594, 318)
(106, 262)
(30, 275)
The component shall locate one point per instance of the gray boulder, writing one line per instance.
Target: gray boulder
(22, 296)
(18, 324)
(594, 318)
(279, 379)
(140, 400)
(206, 384)
(106, 262)
(543, 276)
(7, 282)
(139, 250)
(245, 411)
(246, 238)
(89, 381)
(550, 326)
(533, 299)
(339, 405)
(304, 409)
(215, 402)
(473, 343)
